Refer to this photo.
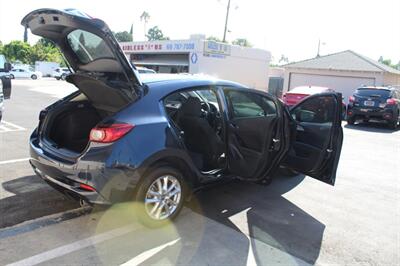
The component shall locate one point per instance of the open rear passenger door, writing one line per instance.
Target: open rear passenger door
(317, 137)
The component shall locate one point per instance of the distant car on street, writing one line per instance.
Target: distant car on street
(5, 68)
(16, 73)
(375, 103)
(61, 73)
(1, 99)
(144, 70)
(297, 94)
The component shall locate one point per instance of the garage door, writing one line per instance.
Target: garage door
(342, 84)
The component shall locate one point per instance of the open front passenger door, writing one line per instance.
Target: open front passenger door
(317, 137)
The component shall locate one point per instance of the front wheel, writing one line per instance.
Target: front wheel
(33, 77)
(160, 196)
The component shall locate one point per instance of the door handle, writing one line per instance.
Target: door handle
(234, 126)
(300, 128)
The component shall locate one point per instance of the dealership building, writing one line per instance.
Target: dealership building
(196, 55)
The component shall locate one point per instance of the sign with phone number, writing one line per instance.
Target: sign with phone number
(179, 46)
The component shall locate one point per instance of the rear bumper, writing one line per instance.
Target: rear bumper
(110, 184)
(376, 114)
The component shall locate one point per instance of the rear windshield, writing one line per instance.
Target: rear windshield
(88, 46)
(373, 92)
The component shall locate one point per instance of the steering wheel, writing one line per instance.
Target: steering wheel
(205, 109)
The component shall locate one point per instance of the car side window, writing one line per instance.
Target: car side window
(320, 110)
(249, 104)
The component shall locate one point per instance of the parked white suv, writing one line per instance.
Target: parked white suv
(61, 73)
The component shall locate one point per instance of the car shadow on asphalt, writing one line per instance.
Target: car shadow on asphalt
(215, 227)
(30, 198)
(267, 216)
(372, 127)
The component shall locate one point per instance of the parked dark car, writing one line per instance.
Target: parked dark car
(375, 103)
(153, 141)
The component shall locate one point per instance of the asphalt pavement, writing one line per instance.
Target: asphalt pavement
(294, 221)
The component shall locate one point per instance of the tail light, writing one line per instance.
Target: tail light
(111, 133)
(390, 102)
(86, 187)
(352, 99)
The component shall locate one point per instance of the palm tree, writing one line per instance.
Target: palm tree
(145, 17)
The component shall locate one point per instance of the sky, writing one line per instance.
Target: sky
(289, 27)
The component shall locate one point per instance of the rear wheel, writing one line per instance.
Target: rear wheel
(350, 121)
(57, 78)
(160, 196)
(33, 76)
(393, 124)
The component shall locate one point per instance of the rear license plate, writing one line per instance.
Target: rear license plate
(364, 110)
(369, 103)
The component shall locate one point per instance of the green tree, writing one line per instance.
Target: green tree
(242, 42)
(145, 17)
(155, 34)
(283, 60)
(214, 39)
(17, 51)
(46, 42)
(123, 36)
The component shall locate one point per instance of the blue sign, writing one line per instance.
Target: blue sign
(194, 58)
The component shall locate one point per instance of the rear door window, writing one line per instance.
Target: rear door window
(88, 46)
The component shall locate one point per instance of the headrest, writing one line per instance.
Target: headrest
(192, 107)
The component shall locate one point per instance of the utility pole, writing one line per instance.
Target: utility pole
(319, 47)
(226, 20)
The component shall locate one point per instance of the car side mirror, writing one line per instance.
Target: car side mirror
(7, 67)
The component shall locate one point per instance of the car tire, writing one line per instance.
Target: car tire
(350, 121)
(63, 76)
(12, 76)
(57, 78)
(147, 198)
(393, 124)
(33, 77)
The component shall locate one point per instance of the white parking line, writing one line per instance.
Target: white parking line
(142, 257)
(14, 161)
(75, 246)
(9, 127)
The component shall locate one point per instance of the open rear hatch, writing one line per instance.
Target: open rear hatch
(102, 71)
(102, 74)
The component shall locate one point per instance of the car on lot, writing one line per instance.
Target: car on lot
(375, 103)
(1, 100)
(297, 94)
(17, 72)
(61, 73)
(5, 68)
(145, 70)
(153, 140)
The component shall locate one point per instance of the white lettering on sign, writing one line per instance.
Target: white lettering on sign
(211, 47)
(172, 46)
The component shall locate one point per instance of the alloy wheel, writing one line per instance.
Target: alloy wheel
(163, 197)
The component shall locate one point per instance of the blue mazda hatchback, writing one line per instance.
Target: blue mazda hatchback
(154, 139)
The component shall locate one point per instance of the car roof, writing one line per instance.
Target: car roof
(308, 89)
(164, 84)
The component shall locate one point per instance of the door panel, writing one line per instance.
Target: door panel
(252, 125)
(318, 137)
